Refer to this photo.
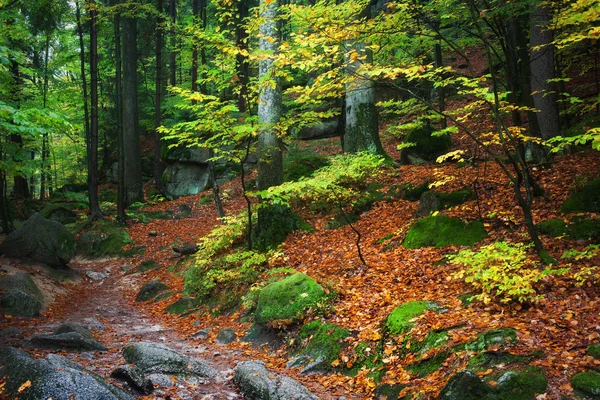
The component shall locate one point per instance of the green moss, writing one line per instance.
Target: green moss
(147, 265)
(59, 212)
(426, 367)
(433, 340)
(399, 320)
(181, 306)
(455, 198)
(323, 341)
(576, 229)
(587, 384)
(298, 165)
(391, 392)
(365, 357)
(426, 146)
(441, 230)
(586, 200)
(491, 338)
(204, 200)
(288, 299)
(485, 360)
(521, 385)
(103, 238)
(107, 195)
(594, 350)
(412, 192)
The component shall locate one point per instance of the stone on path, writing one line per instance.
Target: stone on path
(134, 377)
(68, 336)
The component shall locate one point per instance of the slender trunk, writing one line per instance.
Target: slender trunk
(93, 138)
(45, 135)
(121, 215)
(437, 55)
(245, 194)
(159, 166)
(195, 11)
(173, 43)
(131, 135)
(82, 67)
(4, 212)
(242, 65)
(20, 187)
(215, 187)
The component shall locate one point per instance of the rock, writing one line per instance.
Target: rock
(587, 383)
(95, 276)
(68, 336)
(321, 130)
(465, 385)
(201, 334)
(150, 290)
(11, 331)
(594, 350)
(323, 344)
(427, 147)
(156, 358)
(147, 265)
(59, 213)
(134, 377)
(226, 335)
(521, 385)
(18, 303)
(181, 306)
(389, 392)
(400, 319)
(190, 154)
(428, 204)
(92, 324)
(186, 249)
(42, 240)
(153, 233)
(103, 238)
(441, 230)
(23, 282)
(260, 335)
(63, 362)
(585, 200)
(255, 382)
(52, 378)
(126, 267)
(184, 179)
(288, 300)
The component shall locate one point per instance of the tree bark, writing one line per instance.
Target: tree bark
(93, 137)
(270, 163)
(159, 166)
(542, 70)
(121, 215)
(173, 43)
(131, 138)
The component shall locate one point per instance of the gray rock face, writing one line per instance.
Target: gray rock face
(18, 303)
(428, 204)
(226, 336)
(23, 282)
(95, 276)
(155, 358)
(257, 383)
(150, 290)
(184, 179)
(324, 129)
(52, 378)
(134, 377)
(68, 336)
(41, 240)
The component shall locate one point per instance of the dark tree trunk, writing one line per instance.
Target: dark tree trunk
(121, 215)
(93, 137)
(44, 173)
(159, 166)
(131, 137)
(86, 111)
(173, 43)
(195, 12)
(20, 187)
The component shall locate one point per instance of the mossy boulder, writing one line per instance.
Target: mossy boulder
(150, 290)
(501, 336)
(275, 222)
(147, 265)
(587, 384)
(400, 319)
(575, 229)
(42, 240)
(521, 385)
(465, 385)
(426, 146)
(431, 201)
(181, 306)
(23, 282)
(19, 303)
(441, 230)
(586, 200)
(103, 238)
(412, 192)
(288, 300)
(322, 346)
(429, 365)
(594, 350)
(59, 212)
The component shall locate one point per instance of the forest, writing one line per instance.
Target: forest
(300, 199)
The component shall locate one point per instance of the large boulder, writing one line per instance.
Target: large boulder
(23, 282)
(319, 130)
(425, 146)
(134, 377)
(68, 336)
(19, 303)
(155, 358)
(42, 240)
(59, 213)
(321, 346)
(585, 200)
(465, 385)
(53, 377)
(190, 154)
(288, 300)
(257, 383)
(441, 230)
(184, 178)
(587, 384)
(150, 290)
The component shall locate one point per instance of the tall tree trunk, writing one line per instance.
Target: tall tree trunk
(195, 12)
(121, 215)
(20, 187)
(93, 137)
(173, 43)
(542, 71)
(270, 163)
(45, 135)
(131, 137)
(242, 65)
(159, 166)
(362, 130)
(86, 112)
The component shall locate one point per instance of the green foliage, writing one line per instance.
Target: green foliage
(275, 222)
(426, 145)
(288, 300)
(501, 271)
(575, 229)
(441, 230)
(103, 238)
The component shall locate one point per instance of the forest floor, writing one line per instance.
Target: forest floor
(561, 325)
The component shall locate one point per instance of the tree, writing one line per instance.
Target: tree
(92, 139)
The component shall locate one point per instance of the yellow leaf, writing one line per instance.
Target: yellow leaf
(24, 386)
(335, 363)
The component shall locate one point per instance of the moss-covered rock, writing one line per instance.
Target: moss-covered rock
(147, 265)
(465, 385)
(429, 365)
(594, 350)
(426, 146)
(486, 360)
(501, 336)
(19, 303)
(322, 345)
(521, 385)
(181, 306)
(103, 238)
(441, 230)
(390, 392)
(21, 281)
(59, 213)
(399, 320)
(150, 290)
(414, 193)
(288, 300)
(300, 165)
(575, 229)
(275, 222)
(586, 200)
(431, 201)
(587, 384)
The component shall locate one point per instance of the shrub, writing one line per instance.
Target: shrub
(501, 271)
